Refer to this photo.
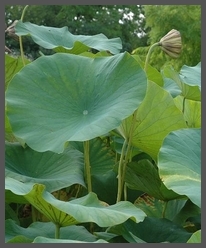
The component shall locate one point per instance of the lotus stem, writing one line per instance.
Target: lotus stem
(20, 38)
(87, 165)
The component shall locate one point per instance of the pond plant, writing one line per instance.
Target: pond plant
(100, 147)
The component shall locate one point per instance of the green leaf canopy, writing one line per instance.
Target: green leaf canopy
(180, 163)
(66, 97)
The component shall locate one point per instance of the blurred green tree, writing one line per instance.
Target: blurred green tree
(160, 19)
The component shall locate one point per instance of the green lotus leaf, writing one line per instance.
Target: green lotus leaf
(179, 163)
(159, 208)
(65, 97)
(55, 171)
(195, 238)
(152, 73)
(171, 87)
(80, 210)
(61, 40)
(48, 240)
(192, 111)
(143, 176)
(12, 66)
(156, 117)
(188, 80)
(17, 234)
(158, 230)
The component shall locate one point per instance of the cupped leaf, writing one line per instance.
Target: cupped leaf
(156, 117)
(81, 210)
(179, 163)
(61, 40)
(188, 80)
(55, 171)
(143, 176)
(18, 234)
(191, 109)
(65, 97)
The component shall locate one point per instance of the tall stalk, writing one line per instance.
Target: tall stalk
(57, 231)
(20, 38)
(125, 153)
(87, 165)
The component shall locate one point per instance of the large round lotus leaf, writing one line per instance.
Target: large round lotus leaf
(65, 97)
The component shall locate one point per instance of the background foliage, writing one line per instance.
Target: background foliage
(148, 24)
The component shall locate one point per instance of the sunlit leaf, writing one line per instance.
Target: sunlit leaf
(156, 117)
(12, 66)
(81, 210)
(49, 240)
(192, 111)
(179, 163)
(195, 238)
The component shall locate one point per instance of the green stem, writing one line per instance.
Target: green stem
(164, 209)
(183, 105)
(20, 38)
(149, 54)
(127, 154)
(87, 166)
(57, 231)
(124, 158)
(33, 213)
(120, 170)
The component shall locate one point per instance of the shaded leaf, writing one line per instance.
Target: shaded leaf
(102, 162)
(55, 171)
(144, 176)
(159, 208)
(14, 232)
(158, 230)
